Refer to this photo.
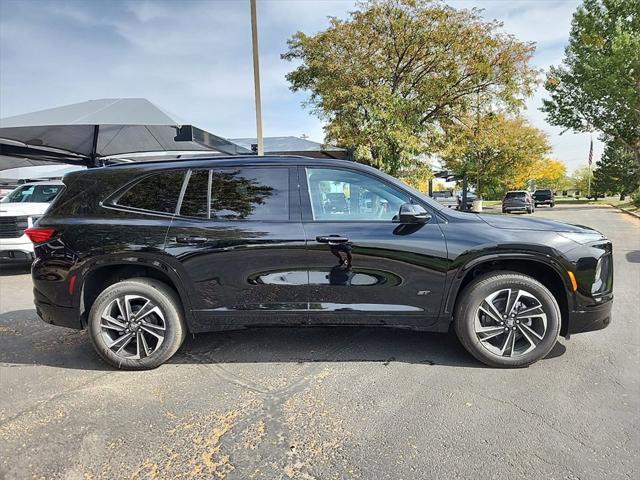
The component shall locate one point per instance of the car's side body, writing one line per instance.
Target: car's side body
(300, 268)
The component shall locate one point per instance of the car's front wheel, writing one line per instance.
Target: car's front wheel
(137, 324)
(506, 319)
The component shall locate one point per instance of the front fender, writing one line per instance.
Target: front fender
(467, 262)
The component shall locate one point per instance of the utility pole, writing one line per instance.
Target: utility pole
(256, 77)
(590, 162)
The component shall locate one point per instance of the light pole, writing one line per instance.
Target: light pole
(256, 77)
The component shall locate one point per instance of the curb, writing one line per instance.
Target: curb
(633, 214)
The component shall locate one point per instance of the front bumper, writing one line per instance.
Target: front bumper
(16, 248)
(590, 318)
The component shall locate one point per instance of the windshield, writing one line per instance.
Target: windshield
(445, 194)
(33, 194)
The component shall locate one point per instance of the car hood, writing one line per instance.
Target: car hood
(517, 223)
(26, 208)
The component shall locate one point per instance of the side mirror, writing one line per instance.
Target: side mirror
(410, 213)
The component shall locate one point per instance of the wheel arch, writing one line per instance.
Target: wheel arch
(548, 272)
(100, 275)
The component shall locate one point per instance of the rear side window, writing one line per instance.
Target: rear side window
(194, 202)
(156, 193)
(238, 194)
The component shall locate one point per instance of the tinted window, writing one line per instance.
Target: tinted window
(33, 194)
(516, 195)
(342, 195)
(194, 203)
(157, 193)
(250, 194)
(238, 194)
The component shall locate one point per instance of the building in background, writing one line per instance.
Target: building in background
(294, 146)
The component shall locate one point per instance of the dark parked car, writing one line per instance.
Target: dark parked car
(470, 199)
(141, 254)
(518, 201)
(544, 197)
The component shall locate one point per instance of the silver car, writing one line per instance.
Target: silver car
(518, 201)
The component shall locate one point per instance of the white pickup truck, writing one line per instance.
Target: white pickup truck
(18, 211)
(446, 198)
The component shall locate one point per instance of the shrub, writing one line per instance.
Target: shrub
(635, 196)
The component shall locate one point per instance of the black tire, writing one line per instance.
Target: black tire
(504, 211)
(552, 205)
(162, 296)
(475, 294)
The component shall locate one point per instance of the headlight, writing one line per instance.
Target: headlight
(582, 237)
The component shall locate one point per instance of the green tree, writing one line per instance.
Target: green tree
(580, 180)
(616, 171)
(494, 154)
(598, 85)
(387, 79)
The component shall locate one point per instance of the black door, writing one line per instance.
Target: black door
(239, 239)
(364, 267)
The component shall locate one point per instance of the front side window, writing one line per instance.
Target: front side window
(156, 193)
(238, 194)
(343, 195)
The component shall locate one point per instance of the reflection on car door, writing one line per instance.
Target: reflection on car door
(360, 260)
(237, 230)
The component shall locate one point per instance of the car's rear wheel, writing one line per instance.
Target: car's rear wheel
(506, 319)
(137, 324)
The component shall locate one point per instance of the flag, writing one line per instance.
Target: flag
(591, 152)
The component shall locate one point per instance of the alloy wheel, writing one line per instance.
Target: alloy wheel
(133, 327)
(510, 322)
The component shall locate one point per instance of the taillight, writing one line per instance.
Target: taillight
(38, 234)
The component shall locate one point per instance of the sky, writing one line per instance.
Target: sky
(193, 58)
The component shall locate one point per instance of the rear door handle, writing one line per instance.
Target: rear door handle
(190, 239)
(331, 239)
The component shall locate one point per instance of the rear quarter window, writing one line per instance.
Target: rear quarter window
(158, 192)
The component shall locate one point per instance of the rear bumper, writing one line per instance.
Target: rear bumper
(590, 319)
(55, 314)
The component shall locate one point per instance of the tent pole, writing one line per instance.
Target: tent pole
(94, 148)
(256, 76)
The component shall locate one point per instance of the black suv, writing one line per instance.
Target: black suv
(141, 254)
(544, 197)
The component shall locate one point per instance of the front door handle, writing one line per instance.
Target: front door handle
(331, 239)
(190, 239)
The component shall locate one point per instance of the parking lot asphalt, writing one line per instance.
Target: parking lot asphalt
(325, 402)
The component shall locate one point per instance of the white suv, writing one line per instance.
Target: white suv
(18, 211)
